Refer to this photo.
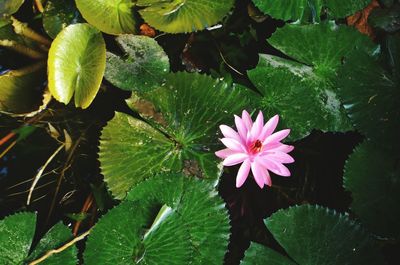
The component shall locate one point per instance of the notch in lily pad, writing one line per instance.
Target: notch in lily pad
(76, 64)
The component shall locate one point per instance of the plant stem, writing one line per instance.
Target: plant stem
(24, 30)
(60, 249)
(12, 45)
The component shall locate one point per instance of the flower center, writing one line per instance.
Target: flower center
(256, 147)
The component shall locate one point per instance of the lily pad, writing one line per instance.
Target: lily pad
(309, 11)
(312, 235)
(180, 134)
(144, 66)
(321, 46)
(9, 7)
(182, 16)
(371, 96)
(16, 235)
(304, 92)
(59, 14)
(21, 91)
(372, 175)
(76, 64)
(260, 255)
(192, 226)
(110, 16)
(303, 101)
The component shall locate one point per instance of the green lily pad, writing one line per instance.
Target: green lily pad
(309, 11)
(110, 16)
(371, 96)
(182, 16)
(9, 7)
(372, 175)
(59, 14)
(316, 235)
(21, 91)
(16, 235)
(180, 134)
(304, 92)
(321, 46)
(76, 64)
(144, 66)
(192, 226)
(260, 255)
(303, 101)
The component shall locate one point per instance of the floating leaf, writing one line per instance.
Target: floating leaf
(371, 96)
(304, 93)
(59, 14)
(9, 7)
(16, 235)
(56, 237)
(21, 90)
(305, 10)
(260, 255)
(321, 46)
(184, 114)
(144, 66)
(326, 237)
(372, 175)
(181, 16)
(76, 64)
(303, 101)
(191, 228)
(110, 16)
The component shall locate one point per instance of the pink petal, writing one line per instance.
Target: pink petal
(243, 173)
(232, 144)
(273, 166)
(269, 127)
(267, 178)
(257, 127)
(241, 127)
(279, 157)
(258, 174)
(234, 159)
(228, 132)
(224, 153)
(276, 137)
(282, 148)
(247, 120)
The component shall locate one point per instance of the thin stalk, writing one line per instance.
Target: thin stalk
(60, 249)
(24, 30)
(22, 49)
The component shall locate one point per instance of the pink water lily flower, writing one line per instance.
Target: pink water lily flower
(257, 148)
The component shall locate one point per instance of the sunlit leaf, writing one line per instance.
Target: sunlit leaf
(180, 16)
(110, 16)
(143, 67)
(76, 64)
